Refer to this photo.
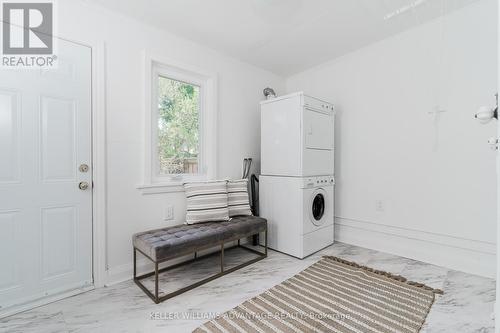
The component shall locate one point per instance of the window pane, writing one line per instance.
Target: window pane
(178, 133)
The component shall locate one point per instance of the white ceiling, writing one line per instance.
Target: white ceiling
(284, 36)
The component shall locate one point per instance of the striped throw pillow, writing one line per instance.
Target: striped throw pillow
(237, 197)
(206, 202)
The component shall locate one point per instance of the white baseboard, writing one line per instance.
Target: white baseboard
(466, 255)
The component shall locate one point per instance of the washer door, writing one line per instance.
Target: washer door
(317, 207)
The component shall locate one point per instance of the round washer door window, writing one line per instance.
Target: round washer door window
(318, 207)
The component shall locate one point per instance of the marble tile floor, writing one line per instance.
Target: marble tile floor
(465, 307)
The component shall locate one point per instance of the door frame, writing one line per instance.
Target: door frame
(99, 179)
(99, 163)
(497, 297)
(99, 158)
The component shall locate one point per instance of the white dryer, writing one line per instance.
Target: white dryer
(299, 211)
(297, 136)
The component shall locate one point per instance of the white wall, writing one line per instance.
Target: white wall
(432, 193)
(239, 88)
(435, 178)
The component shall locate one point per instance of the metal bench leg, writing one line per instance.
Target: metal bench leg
(157, 298)
(265, 243)
(135, 263)
(222, 257)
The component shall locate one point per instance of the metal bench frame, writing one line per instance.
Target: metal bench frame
(157, 299)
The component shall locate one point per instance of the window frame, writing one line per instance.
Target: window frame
(167, 73)
(154, 182)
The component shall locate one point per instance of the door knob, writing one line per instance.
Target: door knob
(83, 186)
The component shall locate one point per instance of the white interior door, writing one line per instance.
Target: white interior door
(45, 218)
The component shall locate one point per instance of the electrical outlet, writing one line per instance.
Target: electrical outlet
(379, 206)
(169, 213)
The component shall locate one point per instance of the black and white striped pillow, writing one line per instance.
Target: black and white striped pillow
(206, 202)
(238, 201)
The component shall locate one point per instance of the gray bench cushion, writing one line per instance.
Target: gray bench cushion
(171, 242)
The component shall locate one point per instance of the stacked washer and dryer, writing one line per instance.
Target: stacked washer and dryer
(297, 173)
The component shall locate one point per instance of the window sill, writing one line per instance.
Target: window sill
(171, 187)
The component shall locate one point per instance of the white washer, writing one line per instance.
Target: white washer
(299, 211)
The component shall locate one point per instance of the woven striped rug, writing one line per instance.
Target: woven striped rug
(332, 295)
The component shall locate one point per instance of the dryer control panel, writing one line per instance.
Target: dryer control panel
(319, 181)
(317, 104)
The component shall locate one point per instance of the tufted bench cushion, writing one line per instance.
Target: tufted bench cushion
(171, 242)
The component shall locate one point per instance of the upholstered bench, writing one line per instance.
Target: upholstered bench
(164, 244)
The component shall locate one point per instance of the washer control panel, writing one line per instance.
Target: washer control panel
(310, 182)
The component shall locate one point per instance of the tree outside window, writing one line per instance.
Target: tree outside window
(178, 126)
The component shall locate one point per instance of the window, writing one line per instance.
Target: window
(180, 125)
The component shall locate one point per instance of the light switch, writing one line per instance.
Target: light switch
(169, 213)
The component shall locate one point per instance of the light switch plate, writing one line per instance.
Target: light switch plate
(169, 213)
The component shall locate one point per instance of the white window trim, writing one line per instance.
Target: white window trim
(154, 65)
